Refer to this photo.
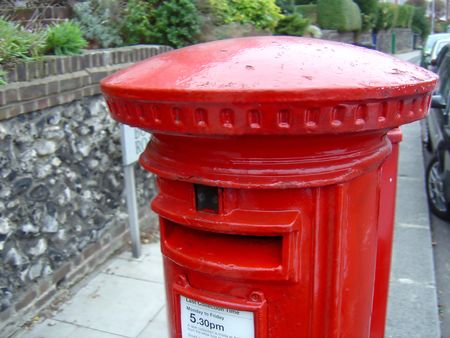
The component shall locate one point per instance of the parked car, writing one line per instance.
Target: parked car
(437, 141)
(441, 56)
(437, 47)
(426, 50)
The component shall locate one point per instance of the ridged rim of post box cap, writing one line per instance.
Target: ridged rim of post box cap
(269, 85)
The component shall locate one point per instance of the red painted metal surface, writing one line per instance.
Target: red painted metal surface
(386, 220)
(291, 134)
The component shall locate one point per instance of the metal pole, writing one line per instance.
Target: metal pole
(433, 14)
(446, 11)
(130, 190)
(393, 43)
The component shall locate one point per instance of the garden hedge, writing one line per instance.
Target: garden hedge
(308, 11)
(405, 16)
(369, 11)
(387, 16)
(342, 15)
(292, 24)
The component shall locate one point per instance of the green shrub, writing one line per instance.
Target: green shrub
(353, 19)
(286, 6)
(221, 10)
(64, 39)
(405, 16)
(367, 6)
(213, 27)
(342, 15)
(292, 24)
(16, 43)
(263, 14)
(290, 6)
(136, 24)
(101, 22)
(420, 24)
(173, 22)
(2, 77)
(308, 11)
(369, 11)
(387, 16)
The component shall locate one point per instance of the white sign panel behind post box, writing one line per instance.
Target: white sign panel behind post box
(133, 142)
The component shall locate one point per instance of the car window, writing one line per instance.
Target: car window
(442, 54)
(432, 39)
(444, 76)
(438, 46)
(429, 43)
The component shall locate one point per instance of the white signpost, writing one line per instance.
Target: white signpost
(133, 142)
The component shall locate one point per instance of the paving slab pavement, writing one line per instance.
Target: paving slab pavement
(413, 57)
(412, 308)
(126, 297)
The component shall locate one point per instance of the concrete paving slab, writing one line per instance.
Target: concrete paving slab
(412, 207)
(156, 330)
(416, 257)
(114, 304)
(411, 311)
(413, 56)
(49, 329)
(56, 329)
(152, 250)
(148, 269)
(157, 327)
(84, 332)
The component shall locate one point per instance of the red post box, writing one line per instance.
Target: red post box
(388, 174)
(276, 181)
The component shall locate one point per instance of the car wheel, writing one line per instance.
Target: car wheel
(435, 190)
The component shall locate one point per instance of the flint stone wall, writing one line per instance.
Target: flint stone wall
(62, 199)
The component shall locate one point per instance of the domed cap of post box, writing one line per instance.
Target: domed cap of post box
(269, 85)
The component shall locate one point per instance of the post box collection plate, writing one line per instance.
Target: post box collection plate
(203, 320)
(276, 160)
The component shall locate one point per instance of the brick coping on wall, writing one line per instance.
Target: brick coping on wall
(57, 80)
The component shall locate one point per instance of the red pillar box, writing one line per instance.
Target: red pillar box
(274, 171)
(388, 178)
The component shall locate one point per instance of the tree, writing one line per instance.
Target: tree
(420, 24)
(369, 10)
(367, 6)
(439, 8)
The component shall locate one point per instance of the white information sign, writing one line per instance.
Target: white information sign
(134, 141)
(200, 320)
